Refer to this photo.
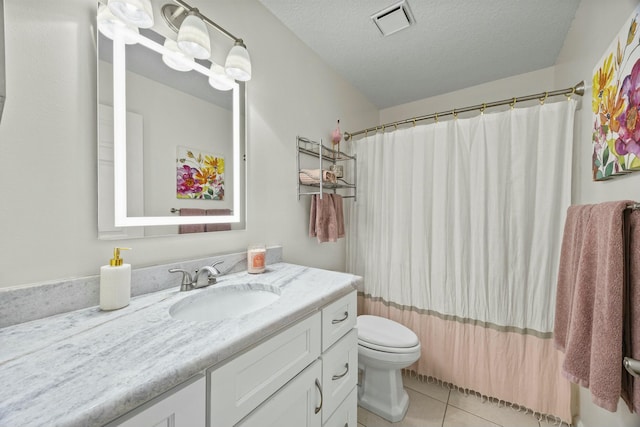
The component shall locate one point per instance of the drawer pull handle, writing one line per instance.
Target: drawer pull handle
(346, 371)
(346, 316)
(320, 390)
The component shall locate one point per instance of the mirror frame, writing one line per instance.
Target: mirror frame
(3, 78)
(121, 218)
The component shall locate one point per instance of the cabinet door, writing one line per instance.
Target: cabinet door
(297, 404)
(182, 406)
(347, 413)
(339, 372)
(238, 387)
(338, 318)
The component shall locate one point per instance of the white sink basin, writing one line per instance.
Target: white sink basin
(224, 302)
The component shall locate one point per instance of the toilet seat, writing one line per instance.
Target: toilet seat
(384, 349)
(378, 333)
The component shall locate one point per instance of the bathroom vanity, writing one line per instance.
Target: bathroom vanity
(291, 363)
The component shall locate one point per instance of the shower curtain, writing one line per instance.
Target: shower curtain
(457, 231)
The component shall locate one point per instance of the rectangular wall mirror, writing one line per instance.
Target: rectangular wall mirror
(170, 147)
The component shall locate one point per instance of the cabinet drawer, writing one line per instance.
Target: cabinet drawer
(297, 404)
(246, 381)
(339, 372)
(337, 319)
(347, 413)
(182, 406)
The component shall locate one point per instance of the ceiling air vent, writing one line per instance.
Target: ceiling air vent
(393, 18)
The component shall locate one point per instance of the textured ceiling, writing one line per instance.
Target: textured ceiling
(454, 44)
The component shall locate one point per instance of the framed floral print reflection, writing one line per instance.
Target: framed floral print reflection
(199, 175)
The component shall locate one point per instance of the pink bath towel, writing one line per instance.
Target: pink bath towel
(191, 228)
(632, 323)
(572, 241)
(225, 226)
(589, 303)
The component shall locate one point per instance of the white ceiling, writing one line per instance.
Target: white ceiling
(453, 44)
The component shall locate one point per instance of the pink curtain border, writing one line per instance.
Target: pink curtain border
(514, 367)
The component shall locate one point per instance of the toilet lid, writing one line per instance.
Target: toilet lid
(385, 332)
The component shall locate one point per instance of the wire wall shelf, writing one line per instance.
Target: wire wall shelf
(326, 158)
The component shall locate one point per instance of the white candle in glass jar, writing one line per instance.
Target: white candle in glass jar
(256, 259)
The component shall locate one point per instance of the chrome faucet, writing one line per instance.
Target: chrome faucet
(199, 280)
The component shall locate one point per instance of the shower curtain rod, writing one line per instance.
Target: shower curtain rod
(578, 89)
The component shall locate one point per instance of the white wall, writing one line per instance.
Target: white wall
(594, 27)
(523, 84)
(48, 215)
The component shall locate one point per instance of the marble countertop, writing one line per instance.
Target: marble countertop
(87, 367)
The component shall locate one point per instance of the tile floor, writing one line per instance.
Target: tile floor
(431, 405)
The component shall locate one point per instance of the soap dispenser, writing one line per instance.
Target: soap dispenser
(115, 283)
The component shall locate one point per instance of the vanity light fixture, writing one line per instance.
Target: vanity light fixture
(238, 64)
(194, 38)
(108, 24)
(134, 12)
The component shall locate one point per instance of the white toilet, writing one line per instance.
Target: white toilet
(384, 348)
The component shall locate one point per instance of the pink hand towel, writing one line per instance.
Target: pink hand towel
(312, 217)
(337, 203)
(323, 222)
(191, 228)
(590, 288)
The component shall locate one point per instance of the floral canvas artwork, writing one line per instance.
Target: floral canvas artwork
(199, 175)
(615, 104)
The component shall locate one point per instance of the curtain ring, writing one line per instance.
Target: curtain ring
(395, 125)
(382, 128)
(455, 115)
(484, 107)
(414, 122)
(513, 103)
(568, 95)
(436, 117)
(546, 94)
(366, 133)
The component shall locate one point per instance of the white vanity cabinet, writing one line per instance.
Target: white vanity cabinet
(339, 373)
(303, 376)
(242, 384)
(297, 404)
(184, 405)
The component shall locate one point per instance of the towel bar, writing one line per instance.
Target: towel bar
(632, 366)
(176, 210)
